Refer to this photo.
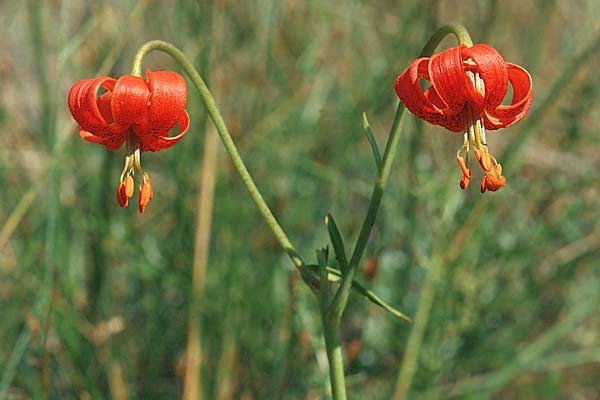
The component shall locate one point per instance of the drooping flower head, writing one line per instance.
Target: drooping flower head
(468, 86)
(131, 110)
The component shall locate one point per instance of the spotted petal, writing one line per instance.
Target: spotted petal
(490, 65)
(130, 101)
(161, 141)
(426, 105)
(449, 80)
(168, 96)
(165, 108)
(93, 114)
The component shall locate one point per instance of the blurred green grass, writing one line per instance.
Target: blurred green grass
(516, 307)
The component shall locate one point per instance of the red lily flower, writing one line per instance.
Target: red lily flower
(468, 85)
(138, 112)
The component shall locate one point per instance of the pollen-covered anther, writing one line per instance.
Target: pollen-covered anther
(466, 173)
(485, 161)
(125, 191)
(145, 194)
(129, 186)
(122, 197)
(493, 179)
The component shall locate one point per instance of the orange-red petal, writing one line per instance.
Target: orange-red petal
(427, 104)
(93, 113)
(168, 97)
(491, 67)
(130, 101)
(450, 81)
(503, 116)
(161, 141)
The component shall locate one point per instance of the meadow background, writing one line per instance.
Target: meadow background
(514, 276)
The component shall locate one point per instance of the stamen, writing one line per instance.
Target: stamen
(122, 197)
(479, 84)
(493, 180)
(480, 130)
(131, 170)
(466, 173)
(129, 186)
(475, 135)
(486, 161)
(145, 194)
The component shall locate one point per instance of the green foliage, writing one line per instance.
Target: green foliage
(515, 310)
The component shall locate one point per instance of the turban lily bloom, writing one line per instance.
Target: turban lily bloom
(140, 113)
(468, 85)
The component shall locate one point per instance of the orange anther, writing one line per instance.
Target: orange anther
(122, 198)
(466, 173)
(486, 161)
(498, 169)
(129, 186)
(145, 195)
(463, 166)
(493, 180)
(464, 181)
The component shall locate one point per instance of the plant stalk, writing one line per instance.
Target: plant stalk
(331, 331)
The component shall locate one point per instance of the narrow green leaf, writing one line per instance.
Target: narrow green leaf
(337, 242)
(334, 275)
(372, 142)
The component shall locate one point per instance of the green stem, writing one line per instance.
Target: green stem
(217, 119)
(459, 31)
(331, 332)
(334, 355)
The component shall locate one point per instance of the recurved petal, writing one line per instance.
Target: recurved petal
(161, 141)
(104, 106)
(130, 101)
(449, 80)
(490, 65)
(412, 96)
(503, 116)
(168, 96)
(88, 110)
(112, 141)
(454, 123)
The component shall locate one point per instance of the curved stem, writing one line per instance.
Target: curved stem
(216, 117)
(459, 31)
